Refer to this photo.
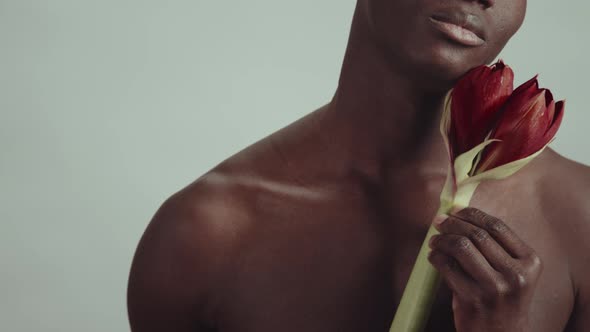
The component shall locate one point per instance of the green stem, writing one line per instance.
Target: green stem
(414, 308)
(416, 302)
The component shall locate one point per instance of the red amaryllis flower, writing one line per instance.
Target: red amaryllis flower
(529, 121)
(491, 132)
(476, 100)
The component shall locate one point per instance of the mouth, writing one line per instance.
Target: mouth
(465, 29)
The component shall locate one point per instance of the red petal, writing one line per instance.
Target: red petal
(525, 98)
(558, 116)
(477, 98)
(524, 130)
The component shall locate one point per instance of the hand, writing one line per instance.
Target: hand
(490, 270)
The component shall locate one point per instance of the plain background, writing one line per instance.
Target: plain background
(108, 107)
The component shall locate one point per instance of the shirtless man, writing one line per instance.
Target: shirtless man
(316, 227)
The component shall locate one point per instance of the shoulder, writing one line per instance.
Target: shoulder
(565, 187)
(184, 256)
(564, 197)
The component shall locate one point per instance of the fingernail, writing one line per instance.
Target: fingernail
(439, 219)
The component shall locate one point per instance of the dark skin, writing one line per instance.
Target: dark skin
(316, 227)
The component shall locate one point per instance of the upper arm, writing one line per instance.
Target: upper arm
(178, 270)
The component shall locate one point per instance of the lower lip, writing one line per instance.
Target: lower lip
(457, 33)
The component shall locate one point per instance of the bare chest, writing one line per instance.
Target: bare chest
(343, 267)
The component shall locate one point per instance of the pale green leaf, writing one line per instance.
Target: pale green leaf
(503, 171)
(464, 162)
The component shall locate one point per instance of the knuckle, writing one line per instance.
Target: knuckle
(535, 260)
(498, 290)
(490, 223)
(519, 279)
(461, 244)
(494, 225)
(502, 289)
(534, 264)
(479, 235)
(442, 261)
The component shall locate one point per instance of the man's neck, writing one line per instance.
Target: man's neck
(380, 116)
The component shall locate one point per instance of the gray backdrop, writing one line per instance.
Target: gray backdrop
(108, 107)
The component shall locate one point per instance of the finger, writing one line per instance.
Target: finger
(450, 271)
(467, 255)
(497, 229)
(496, 256)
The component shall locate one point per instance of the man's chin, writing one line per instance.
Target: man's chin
(441, 71)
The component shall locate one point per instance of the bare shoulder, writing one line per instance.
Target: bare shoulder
(565, 186)
(185, 256)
